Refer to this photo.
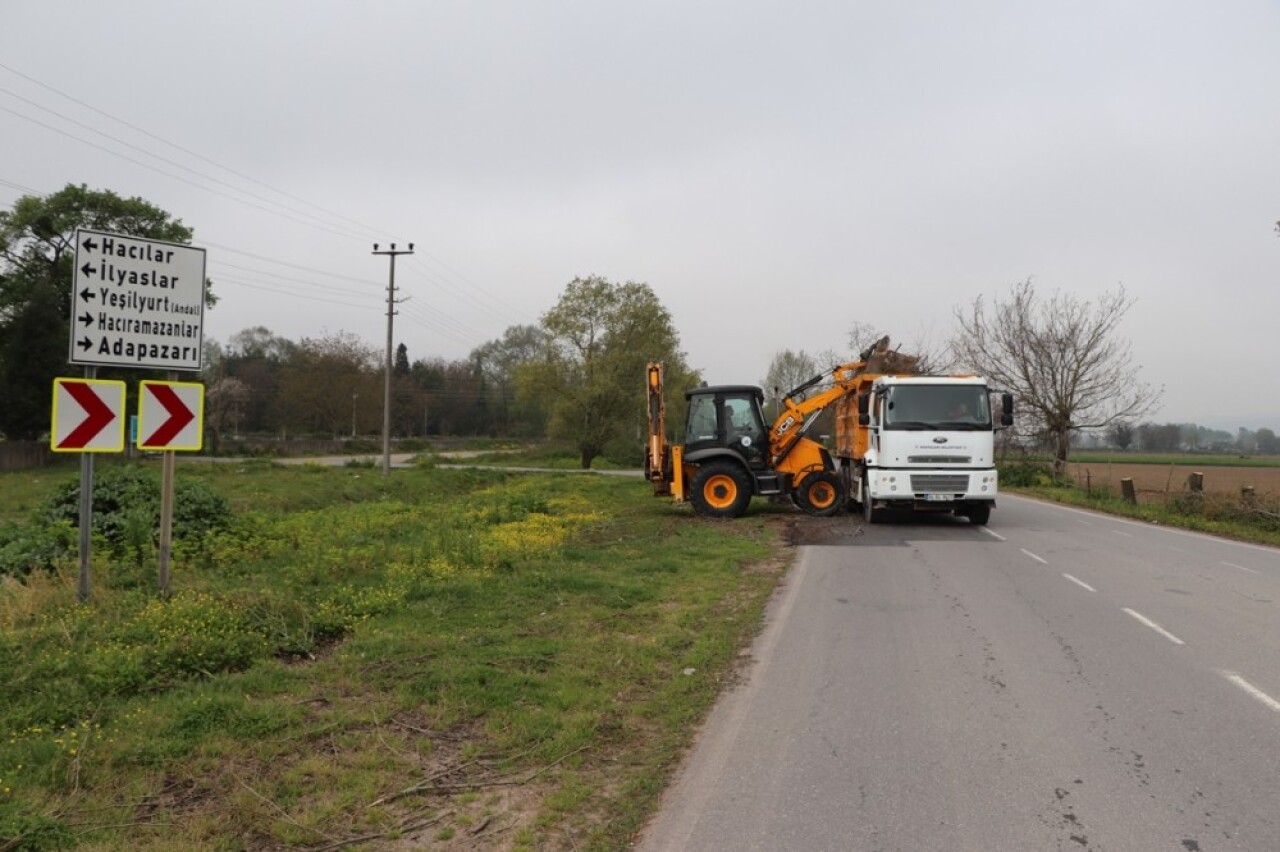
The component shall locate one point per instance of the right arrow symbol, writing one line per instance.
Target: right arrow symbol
(98, 415)
(179, 416)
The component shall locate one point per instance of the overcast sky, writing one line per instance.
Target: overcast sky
(775, 172)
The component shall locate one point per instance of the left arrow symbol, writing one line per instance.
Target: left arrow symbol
(88, 270)
(98, 415)
(90, 244)
(86, 294)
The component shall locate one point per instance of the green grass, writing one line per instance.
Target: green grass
(1214, 514)
(516, 643)
(1198, 459)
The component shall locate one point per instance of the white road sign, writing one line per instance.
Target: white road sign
(137, 302)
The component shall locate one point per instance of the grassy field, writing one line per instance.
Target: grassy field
(445, 657)
(1184, 459)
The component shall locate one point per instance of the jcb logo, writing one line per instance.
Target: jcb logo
(784, 426)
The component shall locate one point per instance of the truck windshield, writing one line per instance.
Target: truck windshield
(945, 407)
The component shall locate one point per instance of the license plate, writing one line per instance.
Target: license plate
(938, 498)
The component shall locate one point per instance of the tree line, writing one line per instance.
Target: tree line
(576, 375)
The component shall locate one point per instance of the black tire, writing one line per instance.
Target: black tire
(720, 490)
(820, 494)
(979, 514)
(869, 513)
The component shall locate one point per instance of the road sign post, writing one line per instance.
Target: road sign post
(137, 302)
(88, 418)
(170, 417)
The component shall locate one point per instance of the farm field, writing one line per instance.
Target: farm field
(1157, 479)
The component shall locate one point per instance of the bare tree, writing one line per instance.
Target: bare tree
(222, 403)
(1062, 357)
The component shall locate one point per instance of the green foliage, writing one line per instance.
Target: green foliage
(126, 517)
(126, 507)
(342, 626)
(1025, 473)
(37, 248)
(601, 335)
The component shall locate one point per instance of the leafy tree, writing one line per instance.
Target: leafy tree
(1159, 437)
(1267, 442)
(592, 371)
(257, 356)
(452, 395)
(400, 367)
(37, 249)
(317, 381)
(496, 362)
(1063, 358)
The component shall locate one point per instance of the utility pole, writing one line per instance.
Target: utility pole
(386, 394)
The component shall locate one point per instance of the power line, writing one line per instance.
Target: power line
(174, 163)
(179, 178)
(178, 147)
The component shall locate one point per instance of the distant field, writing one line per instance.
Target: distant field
(1171, 475)
(1166, 459)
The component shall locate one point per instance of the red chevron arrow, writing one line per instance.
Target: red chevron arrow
(179, 416)
(98, 416)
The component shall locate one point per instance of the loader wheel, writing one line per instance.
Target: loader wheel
(820, 494)
(720, 490)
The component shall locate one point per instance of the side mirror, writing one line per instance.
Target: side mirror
(1006, 409)
(864, 410)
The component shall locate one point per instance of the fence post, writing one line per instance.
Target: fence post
(1247, 495)
(1195, 481)
(1126, 488)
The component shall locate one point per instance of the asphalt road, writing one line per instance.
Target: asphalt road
(1058, 681)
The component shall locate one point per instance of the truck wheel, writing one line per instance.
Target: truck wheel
(820, 494)
(979, 514)
(720, 490)
(869, 514)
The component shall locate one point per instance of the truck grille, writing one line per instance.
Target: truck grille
(940, 482)
(939, 459)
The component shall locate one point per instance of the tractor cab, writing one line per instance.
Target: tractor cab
(726, 418)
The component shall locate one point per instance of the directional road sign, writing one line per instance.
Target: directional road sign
(88, 416)
(137, 302)
(170, 416)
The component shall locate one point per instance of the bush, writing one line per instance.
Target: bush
(126, 508)
(1025, 474)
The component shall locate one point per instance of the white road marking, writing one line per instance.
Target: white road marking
(1083, 521)
(1033, 556)
(1156, 627)
(1081, 583)
(1121, 532)
(1241, 567)
(996, 536)
(1252, 690)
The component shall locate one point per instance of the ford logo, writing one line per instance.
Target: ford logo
(939, 440)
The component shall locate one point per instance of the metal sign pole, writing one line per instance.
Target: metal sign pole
(84, 581)
(166, 512)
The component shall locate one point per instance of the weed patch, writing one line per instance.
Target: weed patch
(509, 649)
